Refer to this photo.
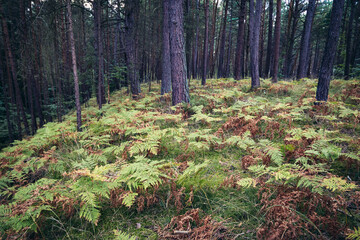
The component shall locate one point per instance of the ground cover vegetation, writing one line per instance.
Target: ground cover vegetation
(237, 163)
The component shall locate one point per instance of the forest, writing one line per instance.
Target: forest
(180, 119)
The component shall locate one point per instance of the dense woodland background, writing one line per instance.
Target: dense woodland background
(119, 43)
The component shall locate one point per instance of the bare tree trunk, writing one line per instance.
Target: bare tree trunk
(277, 42)
(166, 64)
(195, 56)
(305, 40)
(221, 72)
(261, 41)
(180, 89)
(6, 103)
(74, 65)
(326, 68)
(240, 42)
(212, 38)
(348, 41)
(206, 43)
(19, 102)
(131, 13)
(229, 50)
(255, 19)
(269, 43)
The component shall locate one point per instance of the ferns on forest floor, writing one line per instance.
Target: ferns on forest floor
(138, 154)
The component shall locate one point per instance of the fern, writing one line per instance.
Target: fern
(355, 235)
(119, 235)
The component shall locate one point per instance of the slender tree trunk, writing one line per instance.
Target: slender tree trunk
(240, 42)
(348, 41)
(131, 13)
(326, 68)
(261, 41)
(289, 52)
(19, 102)
(221, 72)
(255, 19)
(6, 104)
(269, 42)
(229, 50)
(74, 66)
(206, 43)
(166, 64)
(195, 56)
(305, 40)
(277, 42)
(212, 38)
(180, 89)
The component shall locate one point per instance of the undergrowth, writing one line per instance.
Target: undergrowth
(264, 164)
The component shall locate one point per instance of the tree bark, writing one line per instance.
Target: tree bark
(305, 40)
(74, 66)
(195, 57)
(348, 41)
(255, 19)
(180, 89)
(277, 42)
(261, 41)
(212, 38)
(221, 72)
(206, 43)
(326, 68)
(166, 64)
(240, 42)
(99, 53)
(19, 101)
(269, 42)
(131, 13)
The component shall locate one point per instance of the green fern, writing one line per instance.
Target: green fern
(355, 235)
(119, 235)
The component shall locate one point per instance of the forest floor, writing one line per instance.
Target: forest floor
(236, 164)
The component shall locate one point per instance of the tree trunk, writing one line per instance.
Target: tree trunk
(166, 64)
(326, 68)
(240, 42)
(261, 41)
(277, 42)
(255, 19)
(212, 38)
(6, 104)
(229, 50)
(206, 43)
(348, 41)
(221, 72)
(195, 56)
(291, 40)
(11, 63)
(131, 14)
(180, 89)
(74, 66)
(269, 42)
(305, 40)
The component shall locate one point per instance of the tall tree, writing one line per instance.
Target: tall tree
(195, 55)
(206, 43)
(348, 40)
(305, 40)
(255, 19)
(240, 42)
(74, 66)
(99, 52)
(221, 70)
(166, 64)
(180, 89)
(212, 37)
(269, 42)
(326, 68)
(131, 39)
(275, 70)
(11, 64)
